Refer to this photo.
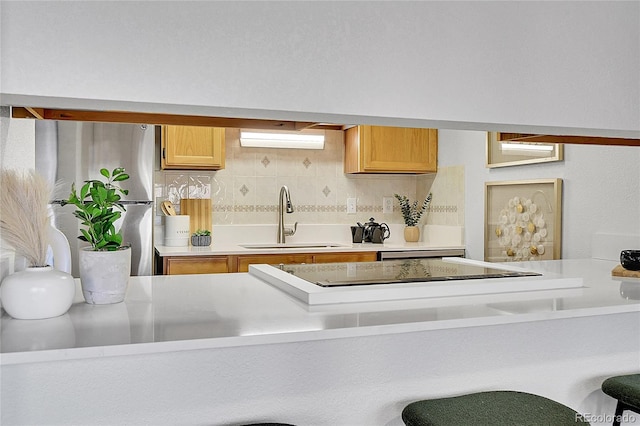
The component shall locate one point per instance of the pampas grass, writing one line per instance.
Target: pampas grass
(24, 197)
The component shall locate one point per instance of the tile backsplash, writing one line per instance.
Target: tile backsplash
(247, 190)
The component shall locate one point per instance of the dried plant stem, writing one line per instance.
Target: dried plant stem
(24, 196)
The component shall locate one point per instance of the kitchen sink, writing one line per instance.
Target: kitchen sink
(292, 246)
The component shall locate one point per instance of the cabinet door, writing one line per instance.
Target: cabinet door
(192, 147)
(272, 259)
(176, 265)
(365, 256)
(378, 149)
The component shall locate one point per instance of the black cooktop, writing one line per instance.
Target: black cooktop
(396, 271)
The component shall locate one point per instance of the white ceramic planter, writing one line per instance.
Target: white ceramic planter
(411, 234)
(104, 275)
(37, 293)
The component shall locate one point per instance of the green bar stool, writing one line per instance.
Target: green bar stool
(493, 408)
(626, 389)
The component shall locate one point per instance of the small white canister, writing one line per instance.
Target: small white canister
(176, 230)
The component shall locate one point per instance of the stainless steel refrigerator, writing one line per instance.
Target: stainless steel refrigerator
(68, 152)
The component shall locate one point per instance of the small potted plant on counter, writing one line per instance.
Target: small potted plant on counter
(412, 213)
(202, 237)
(105, 265)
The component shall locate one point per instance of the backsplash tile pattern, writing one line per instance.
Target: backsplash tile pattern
(447, 186)
(247, 190)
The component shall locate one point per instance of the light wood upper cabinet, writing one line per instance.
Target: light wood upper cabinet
(192, 147)
(378, 149)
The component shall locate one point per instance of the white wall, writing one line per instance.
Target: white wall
(17, 142)
(563, 67)
(601, 189)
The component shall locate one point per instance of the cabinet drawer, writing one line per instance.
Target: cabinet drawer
(366, 256)
(176, 265)
(272, 259)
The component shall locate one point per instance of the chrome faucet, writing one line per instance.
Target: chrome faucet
(282, 231)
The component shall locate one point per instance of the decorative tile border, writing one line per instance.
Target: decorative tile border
(442, 209)
(311, 208)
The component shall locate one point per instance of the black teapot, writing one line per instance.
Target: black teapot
(375, 232)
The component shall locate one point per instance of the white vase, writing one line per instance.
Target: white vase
(37, 293)
(59, 253)
(104, 275)
(60, 250)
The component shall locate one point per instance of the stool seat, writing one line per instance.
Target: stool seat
(490, 408)
(626, 389)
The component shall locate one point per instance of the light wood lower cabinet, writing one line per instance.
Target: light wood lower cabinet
(365, 256)
(178, 265)
(272, 259)
(288, 259)
(175, 265)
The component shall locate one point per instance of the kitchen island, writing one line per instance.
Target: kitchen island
(231, 349)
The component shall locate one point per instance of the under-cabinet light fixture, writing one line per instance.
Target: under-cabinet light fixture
(281, 140)
(506, 146)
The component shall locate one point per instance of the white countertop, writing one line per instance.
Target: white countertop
(229, 240)
(178, 313)
(236, 249)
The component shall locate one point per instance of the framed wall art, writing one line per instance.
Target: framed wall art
(502, 153)
(523, 220)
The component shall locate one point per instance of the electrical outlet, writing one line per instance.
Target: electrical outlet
(387, 204)
(351, 206)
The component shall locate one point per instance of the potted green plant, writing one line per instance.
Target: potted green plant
(202, 237)
(105, 265)
(39, 291)
(411, 213)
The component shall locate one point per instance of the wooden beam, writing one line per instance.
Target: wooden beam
(169, 119)
(249, 123)
(21, 112)
(36, 112)
(584, 140)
